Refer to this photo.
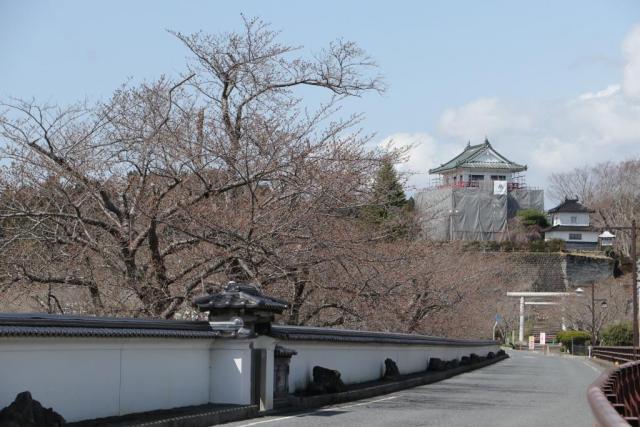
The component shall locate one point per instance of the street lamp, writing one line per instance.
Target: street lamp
(603, 306)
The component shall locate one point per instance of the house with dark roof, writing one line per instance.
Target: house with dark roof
(570, 222)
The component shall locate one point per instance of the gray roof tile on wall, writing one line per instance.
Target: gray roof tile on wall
(307, 333)
(50, 325)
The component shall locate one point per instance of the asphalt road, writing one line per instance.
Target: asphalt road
(528, 389)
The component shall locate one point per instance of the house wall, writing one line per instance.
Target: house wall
(564, 218)
(587, 236)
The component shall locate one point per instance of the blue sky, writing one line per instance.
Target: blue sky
(551, 83)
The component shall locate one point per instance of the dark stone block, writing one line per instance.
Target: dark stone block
(314, 388)
(27, 412)
(391, 370)
(325, 381)
(453, 363)
(501, 352)
(474, 358)
(465, 360)
(436, 364)
(491, 355)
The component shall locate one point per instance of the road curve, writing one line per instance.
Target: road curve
(528, 389)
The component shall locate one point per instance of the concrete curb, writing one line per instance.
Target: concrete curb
(206, 419)
(296, 403)
(186, 418)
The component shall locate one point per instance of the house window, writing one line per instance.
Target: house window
(574, 220)
(476, 177)
(575, 236)
(498, 177)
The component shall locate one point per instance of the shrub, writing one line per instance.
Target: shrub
(554, 245)
(508, 246)
(618, 334)
(537, 246)
(531, 217)
(578, 337)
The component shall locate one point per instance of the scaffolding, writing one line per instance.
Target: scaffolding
(472, 213)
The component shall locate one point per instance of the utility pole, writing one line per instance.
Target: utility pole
(521, 325)
(634, 286)
(593, 314)
(634, 279)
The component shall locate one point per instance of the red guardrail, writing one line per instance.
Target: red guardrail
(615, 396)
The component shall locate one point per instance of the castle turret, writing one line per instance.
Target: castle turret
(479, 165)
(477, 192)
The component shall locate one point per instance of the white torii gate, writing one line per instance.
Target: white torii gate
(523, 295)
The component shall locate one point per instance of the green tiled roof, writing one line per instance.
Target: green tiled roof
(469, 158)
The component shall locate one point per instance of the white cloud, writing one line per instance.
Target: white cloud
(631, 50)
(480, 118)
(610, 90)
(423, 154)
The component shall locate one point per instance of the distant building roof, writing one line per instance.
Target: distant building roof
(571, 228)
(310, 333)
(481, 156)
(570, 205)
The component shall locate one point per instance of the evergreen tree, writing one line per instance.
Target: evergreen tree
(387, 189)
(389, 207)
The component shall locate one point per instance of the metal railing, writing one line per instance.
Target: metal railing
(616, 354)
(615, 396)
(487, 185)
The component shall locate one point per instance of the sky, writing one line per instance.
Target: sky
(554, 85)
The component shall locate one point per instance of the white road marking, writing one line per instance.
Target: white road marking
(591, 366)
(331, 408)
(358, 404)
(268, 421)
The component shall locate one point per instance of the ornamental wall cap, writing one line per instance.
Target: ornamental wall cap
(237, 296)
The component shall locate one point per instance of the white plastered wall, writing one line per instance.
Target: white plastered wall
(365, 362)
(564, 218)
(231, 372)
(84, 378)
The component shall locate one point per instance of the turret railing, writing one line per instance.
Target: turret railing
(481, 184)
